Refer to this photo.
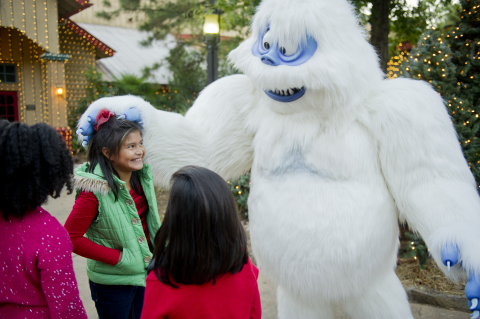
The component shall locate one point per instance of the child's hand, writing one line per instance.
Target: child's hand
(120, 258)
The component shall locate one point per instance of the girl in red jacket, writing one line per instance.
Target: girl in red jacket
(201, 267)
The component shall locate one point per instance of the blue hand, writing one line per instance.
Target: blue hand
(86, 139)
(472, 291)
(450, 255)
(132, 114)
(87, 128)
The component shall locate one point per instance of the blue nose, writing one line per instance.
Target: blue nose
(269, 59)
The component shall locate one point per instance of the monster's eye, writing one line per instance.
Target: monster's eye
(287, 50)
(267, 40)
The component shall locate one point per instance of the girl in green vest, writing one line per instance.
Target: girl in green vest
(116, 208)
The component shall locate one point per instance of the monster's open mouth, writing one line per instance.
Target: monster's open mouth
(288, 95)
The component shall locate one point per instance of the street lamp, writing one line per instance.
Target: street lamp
(211, 36)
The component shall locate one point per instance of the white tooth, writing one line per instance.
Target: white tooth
(277, 92)
(283, 92)
(290, 91)
(474, 303)
(475, 314)
(448, 265)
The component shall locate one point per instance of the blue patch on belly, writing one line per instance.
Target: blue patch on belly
(294, 163)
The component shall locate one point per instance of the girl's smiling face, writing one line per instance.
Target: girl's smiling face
(131, 154)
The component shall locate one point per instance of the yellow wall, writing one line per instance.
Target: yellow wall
(37, 80)
(82, 59)
(29, 28)
(54, 77)
(36, 19)
(17, 49)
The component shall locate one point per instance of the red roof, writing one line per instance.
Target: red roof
(103, 50)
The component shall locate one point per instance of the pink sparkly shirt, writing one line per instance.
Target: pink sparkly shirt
(36, 269)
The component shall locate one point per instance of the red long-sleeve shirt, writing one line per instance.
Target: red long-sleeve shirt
(233, 297)
(84, 211)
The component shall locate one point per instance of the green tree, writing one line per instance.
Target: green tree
(394, 21)
(447, 58)
(416, 248)
(241, 189)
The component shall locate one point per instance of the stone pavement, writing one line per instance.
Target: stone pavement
(60, 208)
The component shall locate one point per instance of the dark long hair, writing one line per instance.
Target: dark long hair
(34, 163)
(201, 236)
(111, 135)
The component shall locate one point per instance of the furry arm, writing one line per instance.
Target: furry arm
(212, 134)
(426, 173)
(222, 111)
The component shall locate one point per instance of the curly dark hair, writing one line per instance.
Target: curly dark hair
(34, 163)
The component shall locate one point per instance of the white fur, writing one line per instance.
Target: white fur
(333, 172)
(91, 185)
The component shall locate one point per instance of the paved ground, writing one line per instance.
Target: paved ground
(61, 207)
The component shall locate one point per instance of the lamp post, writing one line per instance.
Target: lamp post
(211, 36)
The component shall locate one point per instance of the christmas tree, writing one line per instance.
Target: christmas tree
(447, 58)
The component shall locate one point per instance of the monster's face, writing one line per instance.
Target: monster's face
(307, 55)
(275, 54)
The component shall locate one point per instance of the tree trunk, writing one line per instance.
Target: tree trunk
(215, 54)
(380, 23)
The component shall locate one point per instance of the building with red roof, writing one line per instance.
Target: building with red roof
(43, 58)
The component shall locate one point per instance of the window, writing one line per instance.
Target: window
(8, 73)
(8, 106)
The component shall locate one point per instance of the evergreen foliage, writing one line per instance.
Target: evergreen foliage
(447, 58)
(406, 22)
(416, 248)
(241, 189)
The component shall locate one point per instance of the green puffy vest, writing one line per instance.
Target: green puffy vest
(118, 226)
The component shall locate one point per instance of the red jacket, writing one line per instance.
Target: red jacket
(232, 297)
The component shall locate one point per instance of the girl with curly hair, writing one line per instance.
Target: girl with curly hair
(117, 210)
(37, 278)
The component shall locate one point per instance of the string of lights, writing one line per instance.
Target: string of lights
(51, 56)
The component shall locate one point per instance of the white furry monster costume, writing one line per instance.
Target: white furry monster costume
(337, 155)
